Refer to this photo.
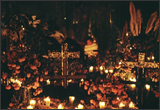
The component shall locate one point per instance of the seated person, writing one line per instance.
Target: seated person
(91, 48)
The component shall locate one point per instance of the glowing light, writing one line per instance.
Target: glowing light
(121, 105)
(127, 34)
(131, 105)
(60, 106)
(152, 57)
(147, 87)
(101, 105)
(91, 69)
(48, 82)
(65, 18)
(71, 99)
(120, 63)
(106, 71)
(80, 106)
(101, 68)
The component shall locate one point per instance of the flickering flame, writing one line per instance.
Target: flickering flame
(101, 67)
(131, 105)
(91, 69)
(111, 71)
(121, 105)
(29, 107)
(127, 34)
(152, 57)
(130, 48)
(101, 105)
(120, 63)
(133, 86)
(134, 80)
(60, 106)
(82, 80)
(65, 18)
(147, 86)
(118, 98)
(70, 80)
(80, 106)
(32, 102)
(106, 71)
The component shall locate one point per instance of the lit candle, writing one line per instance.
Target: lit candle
(111, 71)
(147, 87)
(134, 79)
(32, 103)
(118, 98)
(120, 63)
(60, 106)
(71, 99)
(48, 82)
(29, 107)
(101, 105)
(80, 106)
(152, 57)
(47, 100)
(106, 71)
(148, 58)
(91, 69)
(121, 105)
(101, 69)
(133, 86)
(131, 105)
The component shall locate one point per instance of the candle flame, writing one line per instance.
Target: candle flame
(101, 67)
(147, 86)
(106, 71)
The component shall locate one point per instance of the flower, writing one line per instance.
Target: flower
(8, 87)
(46, 72)
(4, 76)
(16, 88)
(28, 75)
(41, 79)
(99, 96)
(85, 87)
(11, 104)
(82, 101)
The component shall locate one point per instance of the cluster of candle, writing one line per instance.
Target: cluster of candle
(102, 69)
(32, 104)
(150, 58)
(131, 105)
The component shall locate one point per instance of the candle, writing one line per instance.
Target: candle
(71, 99)
(121, 105)
(106, 71)
(133, 86)
(48, 82)
(101, 105)
(111, 71)
(152, 57)
(147, 87)
(131, 105)
(29, 107)
(32, 103)
(101, 69)
(80, 106)
(60, 106)
(91, 69)
(120, 63)
(134, 80)
(47, 100)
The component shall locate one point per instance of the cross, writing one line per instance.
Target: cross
(64, 54)
(141, 64)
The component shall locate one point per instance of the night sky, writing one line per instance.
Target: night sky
(119, 15)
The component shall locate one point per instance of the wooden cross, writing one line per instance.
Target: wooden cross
(141, 64)
(64, 54)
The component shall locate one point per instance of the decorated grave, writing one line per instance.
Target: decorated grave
(42, 77)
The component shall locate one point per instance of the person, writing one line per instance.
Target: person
(91, 48)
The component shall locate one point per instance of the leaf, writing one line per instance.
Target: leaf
(132, 12)
(124, 37)
(156, 25)
(139, 20)
(150, 22)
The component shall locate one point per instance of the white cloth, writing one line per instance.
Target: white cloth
(88, 49)
(58, 36)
